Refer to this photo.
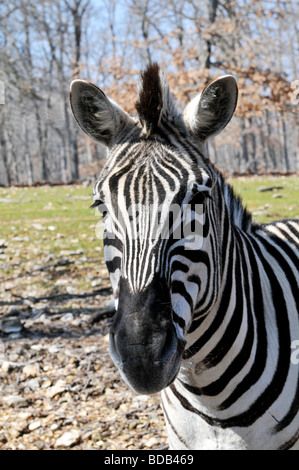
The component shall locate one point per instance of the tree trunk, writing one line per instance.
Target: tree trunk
(212, 12)
(5, 157)
(284, 143)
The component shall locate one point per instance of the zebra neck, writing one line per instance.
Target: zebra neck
(221, 343)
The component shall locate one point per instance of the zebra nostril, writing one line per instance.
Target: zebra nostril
(113, 348)
(169, 344)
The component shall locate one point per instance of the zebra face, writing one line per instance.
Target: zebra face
(148, 213)
(154, 170)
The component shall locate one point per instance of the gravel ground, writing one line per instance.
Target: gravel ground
(59, 387)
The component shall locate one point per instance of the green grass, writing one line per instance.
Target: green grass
(48, 224)
(266, 206)
(41, 213)
(65, 221)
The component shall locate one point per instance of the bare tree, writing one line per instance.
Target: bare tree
(44, 45)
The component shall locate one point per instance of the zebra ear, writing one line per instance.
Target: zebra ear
(98, 116)
(211, 110)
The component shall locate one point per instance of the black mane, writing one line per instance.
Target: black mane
(150, 104)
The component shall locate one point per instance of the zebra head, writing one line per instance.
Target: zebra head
(155, 169)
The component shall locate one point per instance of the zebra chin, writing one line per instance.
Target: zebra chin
(148, 369)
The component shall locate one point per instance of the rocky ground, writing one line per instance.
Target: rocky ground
(59, 388)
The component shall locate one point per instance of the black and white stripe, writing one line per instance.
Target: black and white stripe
(221, 304)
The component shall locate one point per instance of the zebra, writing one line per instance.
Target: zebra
(210, 318)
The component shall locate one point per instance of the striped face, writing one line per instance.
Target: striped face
(154, 192)
(153, 206)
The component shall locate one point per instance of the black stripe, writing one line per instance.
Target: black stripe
(288, 271)
(114, 179)
(292, 413)
(178, 287)
(286, 234)
(195, 279)
(294, 231)
(184, 402)
(259, 363)
(201, 306)
(173, 165)
(295, 291)
(169, 178)
(179, 320)
(197, 256)
(174, 430)
(287, 251)
(273, 390)
(226, 233)
(289, 444)
(199, 343)
(114, 264)
(229, 337)
(178, 266)
(227, 340)
(126, 190)
(110, 239)
(160, 188)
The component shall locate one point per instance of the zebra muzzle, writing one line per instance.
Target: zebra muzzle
(144, 343)
(147, 368)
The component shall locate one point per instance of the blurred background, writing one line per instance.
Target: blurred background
(46, 44)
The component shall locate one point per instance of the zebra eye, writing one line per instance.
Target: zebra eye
(102, 208)
(96, 203)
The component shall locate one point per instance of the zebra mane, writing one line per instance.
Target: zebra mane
(155, 98)
(239, 214)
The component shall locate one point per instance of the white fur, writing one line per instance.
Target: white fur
(98, 116)
(211, 110)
